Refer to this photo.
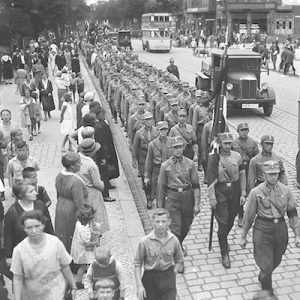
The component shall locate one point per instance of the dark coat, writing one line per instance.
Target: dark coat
(75, 65)
(60, 61)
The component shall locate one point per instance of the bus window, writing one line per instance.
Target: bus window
(152, 18)
(152, 34)
(161, 18)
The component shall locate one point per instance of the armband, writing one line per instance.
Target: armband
(196, 186)
(292, 213)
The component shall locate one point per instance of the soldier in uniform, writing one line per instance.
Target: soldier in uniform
(184, 98)
(227, 192)
(269, 202)
(112, 95)
(172, 68)
(142, 139)
(179, 191)
(172, 117)
(255, 173)
(188, 135)
(159, 151)
(162, 101)
(248, 148)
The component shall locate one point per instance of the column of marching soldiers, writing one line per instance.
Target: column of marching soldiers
(162, 114)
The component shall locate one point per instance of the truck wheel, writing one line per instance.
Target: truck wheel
(268, 108)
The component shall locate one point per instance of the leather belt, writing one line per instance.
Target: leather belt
(270, 220)
(179, 190)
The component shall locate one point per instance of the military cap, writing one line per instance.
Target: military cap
(169, 96)
(198, 93)
(181, 112)
(134, 87)
(177, 141)
(271, 166)
(185, 84)
(267, 139)
(226, 137)
(165, 91)
(147, 115)
(162, 125)
(174, 101)
(193, 89)
(116, 74)
(141, 100)
(242, 126)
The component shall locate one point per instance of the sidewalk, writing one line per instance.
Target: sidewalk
(126, 228)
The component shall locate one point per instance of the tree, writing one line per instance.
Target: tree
(169, 6)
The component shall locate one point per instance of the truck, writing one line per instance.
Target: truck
(243, 81)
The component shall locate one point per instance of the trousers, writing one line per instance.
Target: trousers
(160, 285)
(270, 242)
(181, 209)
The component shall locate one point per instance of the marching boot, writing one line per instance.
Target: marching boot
(224, 250)
(266, 283)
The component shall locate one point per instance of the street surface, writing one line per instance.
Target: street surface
(204, 276)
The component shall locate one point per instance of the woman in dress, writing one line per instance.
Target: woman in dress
(62, 88)
(21, 75)
(52, 60)
(27, 114)
(67, 54)
(89, 172)
(14, 233)
(38, 70)
(66, 119)
(46, 96)
(71, 194)
(40, 263)
(7, 68)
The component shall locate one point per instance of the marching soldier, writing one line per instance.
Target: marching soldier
(172, 117)
(159, 151)
(228, 192)
(188, 135)
(269, 202)
(142, 139)
(179, 191)
(256, 174)
(185, 97)
(112, 95)
(162, 101)
(248, 148)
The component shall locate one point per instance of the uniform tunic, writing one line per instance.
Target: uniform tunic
(171, 118)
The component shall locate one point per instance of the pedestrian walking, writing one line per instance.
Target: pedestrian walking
(46, 96)
(38, 70)
(72, 86)
(255, 173)
(248, 148)
(62, 88)
(274, 50)
(7, 66)
(36, 125)
(28, 85)
(179, 191)
(161, 255)
(66, 119)
(269, 202)
(20, 78)
(227, 193)
(172, 68)
(16, 135)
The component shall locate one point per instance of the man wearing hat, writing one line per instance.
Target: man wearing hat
(269, 202)
(188, 135)
(227, 192)
(248, 148)
(197, 99)
(88, 98)
(159, 151)
(184, 98)
(161, 102)
(112, 95)
(255, 173)
(200, 117)
(140, 146)
(172, 68)
(172, 117)
(179, 191)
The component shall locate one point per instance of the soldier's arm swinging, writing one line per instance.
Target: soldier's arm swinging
(242, 180)
(161, 188)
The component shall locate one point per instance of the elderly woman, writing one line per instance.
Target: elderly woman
(62, 88)
(40, 263)
(14, 233)
(38, 70)
(71, 194)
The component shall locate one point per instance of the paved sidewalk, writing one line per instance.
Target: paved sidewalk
(125, 225)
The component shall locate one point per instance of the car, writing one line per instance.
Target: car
(243, 83)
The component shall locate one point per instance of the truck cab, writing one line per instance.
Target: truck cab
(243, 83)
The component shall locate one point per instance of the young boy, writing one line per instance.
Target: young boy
(17, 164)
(105, 266)
(30, 176)
(160, 254)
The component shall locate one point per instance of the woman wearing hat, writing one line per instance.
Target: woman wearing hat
(71, 194)
(90, 174)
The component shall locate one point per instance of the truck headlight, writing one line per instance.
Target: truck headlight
(229, 86)
(264, 86)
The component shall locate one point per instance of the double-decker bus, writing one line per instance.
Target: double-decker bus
(156, 31)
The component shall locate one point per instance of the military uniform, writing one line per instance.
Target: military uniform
(270, 235)
(159, 151)
(255, 173)
(184, 98)
(179, 191)
(225, 193)
(188, 135)
(172, 117)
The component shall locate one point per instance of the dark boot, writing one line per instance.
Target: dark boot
(224, 250)
(266, 283)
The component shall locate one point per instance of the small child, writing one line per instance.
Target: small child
(30, 176)
(72, 87)
(66, 120)
(86, 237)
(80, 84)
(105, 266)
(16, 135)
(17, 164)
